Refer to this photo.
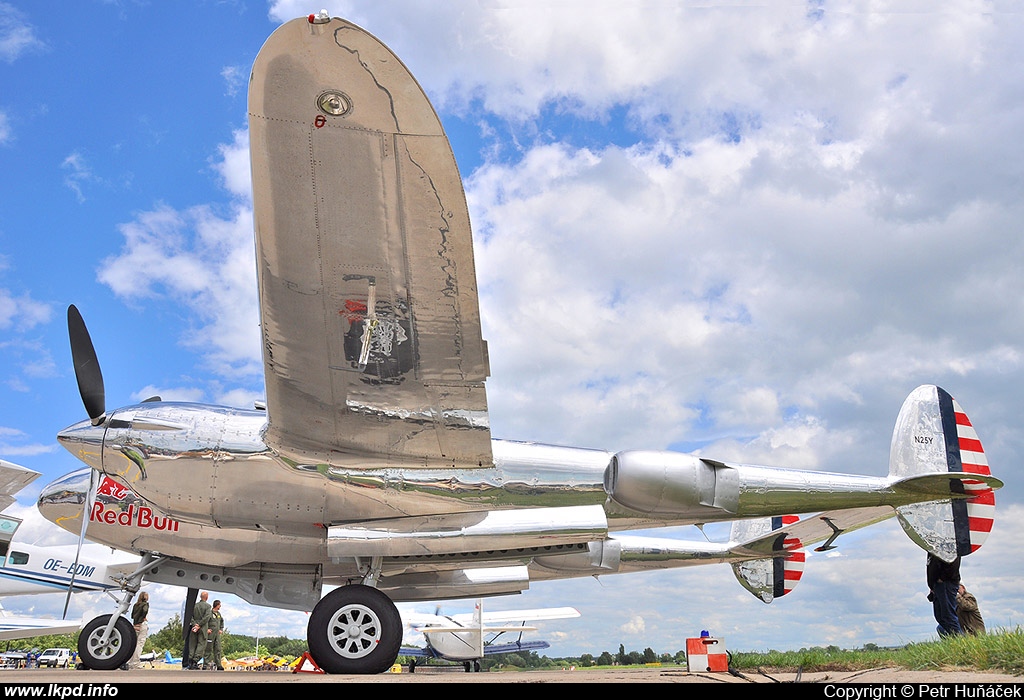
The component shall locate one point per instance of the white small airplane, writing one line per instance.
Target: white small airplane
(27, 569)
(371, 466)
(469, 637)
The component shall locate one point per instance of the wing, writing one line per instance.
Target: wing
(495, 617)
(13, 478)
(513, 647)
(14, 627)
(371, 327)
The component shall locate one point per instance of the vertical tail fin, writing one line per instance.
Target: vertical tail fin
(933, 434)
(773, 577)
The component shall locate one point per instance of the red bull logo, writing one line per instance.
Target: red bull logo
(109, 487)
(133, 516)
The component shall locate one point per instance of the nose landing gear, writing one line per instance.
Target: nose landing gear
(107, 641)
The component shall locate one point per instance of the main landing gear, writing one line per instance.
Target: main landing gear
(107, 642)
(355, 628)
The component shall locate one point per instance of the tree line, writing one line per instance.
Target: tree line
(235, 646)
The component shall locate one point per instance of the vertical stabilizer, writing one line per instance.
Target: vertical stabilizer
(772, 577)
(933, 434)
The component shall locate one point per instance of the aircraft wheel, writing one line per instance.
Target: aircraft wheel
(115, 652)
(355, 629)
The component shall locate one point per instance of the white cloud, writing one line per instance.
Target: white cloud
(808, 194)
(17, 35)
(14, 444)
(634, 626)
(234, 79)
(22, 312)
(189, 394)
(78, 174)
(818, 212)
(202, 257)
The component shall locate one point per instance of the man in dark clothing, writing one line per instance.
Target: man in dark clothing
(200, 630)
(214, 648)
(943, 585)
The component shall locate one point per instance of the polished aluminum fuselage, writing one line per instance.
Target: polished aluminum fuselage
(209, 465)
(208, 470)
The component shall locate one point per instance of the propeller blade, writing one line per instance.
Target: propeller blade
(90, 499)
(87, 366)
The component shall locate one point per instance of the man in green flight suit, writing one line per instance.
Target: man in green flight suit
(213, 646)
(199, 630)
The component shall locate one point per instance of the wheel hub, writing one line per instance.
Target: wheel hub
(104, 650)
(355, 631)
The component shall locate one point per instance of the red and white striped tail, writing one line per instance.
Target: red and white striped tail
(934, 435)
(793, 563)
(981, 509)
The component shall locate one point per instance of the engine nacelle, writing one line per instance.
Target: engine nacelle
(659, 482)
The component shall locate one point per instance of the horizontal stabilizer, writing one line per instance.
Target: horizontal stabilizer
(948, 485)
(776, 564)
(797, 534)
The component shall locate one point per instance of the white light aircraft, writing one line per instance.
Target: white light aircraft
(371, 466)
(27, 569)
(469, 637)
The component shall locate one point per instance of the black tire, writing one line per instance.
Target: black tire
(354, 629)
(115, 652)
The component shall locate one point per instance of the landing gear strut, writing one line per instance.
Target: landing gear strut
(107, 641)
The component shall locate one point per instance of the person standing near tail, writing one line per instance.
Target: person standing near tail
(943, 585)
(968, 612)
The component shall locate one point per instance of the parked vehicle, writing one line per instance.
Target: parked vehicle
(55, 657)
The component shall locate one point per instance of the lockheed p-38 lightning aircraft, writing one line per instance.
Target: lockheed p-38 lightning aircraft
(371, 468)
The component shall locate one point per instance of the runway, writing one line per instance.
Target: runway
(93, 682)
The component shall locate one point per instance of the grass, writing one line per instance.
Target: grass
(1001, 650)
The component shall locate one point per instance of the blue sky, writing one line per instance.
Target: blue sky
(748, 231)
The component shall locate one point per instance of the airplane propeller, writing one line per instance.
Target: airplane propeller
(87, 367)
(90, 386)
(90, 499)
